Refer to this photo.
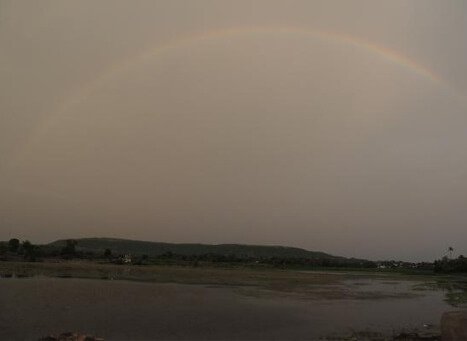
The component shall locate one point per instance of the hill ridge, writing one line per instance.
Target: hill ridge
(151, 248)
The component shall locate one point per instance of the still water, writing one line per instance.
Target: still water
(123, 310)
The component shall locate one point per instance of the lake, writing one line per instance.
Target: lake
(129, 310)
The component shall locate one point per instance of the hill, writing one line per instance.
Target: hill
(135, 247)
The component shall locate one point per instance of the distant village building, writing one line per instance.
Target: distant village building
(127, 259)
(124, 259)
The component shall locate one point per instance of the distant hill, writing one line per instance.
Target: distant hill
(134, 247)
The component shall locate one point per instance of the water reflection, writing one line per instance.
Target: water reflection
(455, 290)
(360, 307)
(15, 275)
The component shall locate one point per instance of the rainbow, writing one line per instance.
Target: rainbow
(120, 67)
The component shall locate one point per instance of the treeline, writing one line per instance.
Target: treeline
(16, 250)
(395, 265)
(286, 262)
(451, 265)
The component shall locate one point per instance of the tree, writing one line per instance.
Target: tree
(13, 245)
(70, 248)
(108, 253)
(27, 245)
(29, 250)
(450, 251)
(3, 248)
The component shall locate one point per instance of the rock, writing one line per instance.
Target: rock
(454, 326)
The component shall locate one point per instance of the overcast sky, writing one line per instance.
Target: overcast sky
(338, 126)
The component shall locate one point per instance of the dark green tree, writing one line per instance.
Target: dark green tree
(3, 248)
(13, 245)
(29, 250)
(69, 250)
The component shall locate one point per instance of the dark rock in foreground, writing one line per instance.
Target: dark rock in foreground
(454, 326)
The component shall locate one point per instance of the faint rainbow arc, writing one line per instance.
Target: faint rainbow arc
(119, 67)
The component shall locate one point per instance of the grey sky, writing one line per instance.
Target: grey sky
(265, 136)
